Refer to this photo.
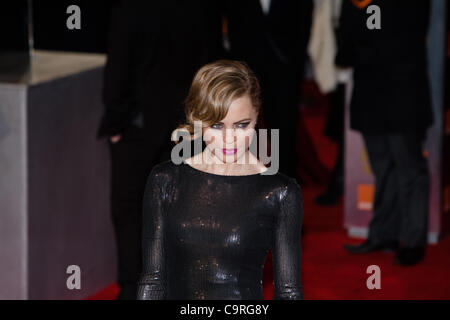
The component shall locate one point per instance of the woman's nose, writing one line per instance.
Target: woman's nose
(229, 137)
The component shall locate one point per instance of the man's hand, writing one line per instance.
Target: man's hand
(116, 138)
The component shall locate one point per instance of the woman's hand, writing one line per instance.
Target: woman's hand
(116, 138)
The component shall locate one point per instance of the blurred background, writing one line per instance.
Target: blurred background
(85, 84)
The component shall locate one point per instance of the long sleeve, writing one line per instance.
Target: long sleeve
(152, 282)
(286, 248)
(322, 47)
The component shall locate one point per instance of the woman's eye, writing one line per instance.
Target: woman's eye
(243, 125)
(238, 126)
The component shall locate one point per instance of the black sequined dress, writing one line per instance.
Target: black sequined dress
(206, 236)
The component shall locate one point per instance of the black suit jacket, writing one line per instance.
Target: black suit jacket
(391, 88)
(154, 50)
(280, 37)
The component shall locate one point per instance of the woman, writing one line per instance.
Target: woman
(209, 222)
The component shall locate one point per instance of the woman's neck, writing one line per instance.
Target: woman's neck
(247, 164)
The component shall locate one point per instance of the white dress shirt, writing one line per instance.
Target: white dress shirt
(265, 4)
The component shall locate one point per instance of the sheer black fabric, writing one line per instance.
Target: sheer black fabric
(206, 236)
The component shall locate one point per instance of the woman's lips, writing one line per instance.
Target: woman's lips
(229, 151)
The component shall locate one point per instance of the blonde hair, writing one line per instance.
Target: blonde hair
(214, 87)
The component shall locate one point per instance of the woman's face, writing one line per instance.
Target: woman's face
(229, 139)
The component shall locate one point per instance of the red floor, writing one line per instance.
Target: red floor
(328, 271)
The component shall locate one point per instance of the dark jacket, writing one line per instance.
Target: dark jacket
(391, 89)
(280, 37)
(154, 50)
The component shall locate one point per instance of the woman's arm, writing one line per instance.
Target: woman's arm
(286, 249)
(152, 282)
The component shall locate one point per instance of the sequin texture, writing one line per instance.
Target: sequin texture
(206, 236)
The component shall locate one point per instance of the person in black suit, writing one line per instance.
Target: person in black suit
(271, 37)
(391, 107)
(154, 49)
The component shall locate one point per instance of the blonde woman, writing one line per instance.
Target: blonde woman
(209, 222)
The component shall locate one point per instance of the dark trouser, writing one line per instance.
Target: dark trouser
(334, 129)
(131, 162)
(402, 188)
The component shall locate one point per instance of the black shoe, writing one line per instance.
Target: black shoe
(408, 256)
(369, 246)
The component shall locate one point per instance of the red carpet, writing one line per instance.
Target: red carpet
(328, 271)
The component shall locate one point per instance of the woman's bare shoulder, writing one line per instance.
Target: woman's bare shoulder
(261, 167)
(194, 159)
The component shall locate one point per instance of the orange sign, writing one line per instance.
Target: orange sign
(365, 196)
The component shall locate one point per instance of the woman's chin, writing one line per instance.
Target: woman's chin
(228, 158)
